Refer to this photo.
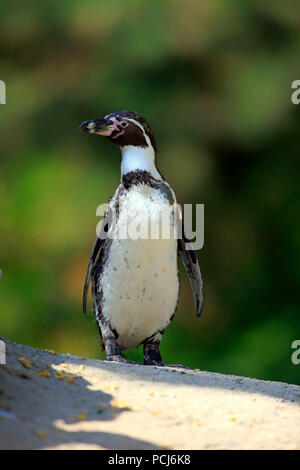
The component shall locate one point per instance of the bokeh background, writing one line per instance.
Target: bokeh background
(213, 78)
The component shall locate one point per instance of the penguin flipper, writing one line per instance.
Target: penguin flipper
(191, 264)
(95, 251)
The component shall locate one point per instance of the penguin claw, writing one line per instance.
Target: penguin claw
(179, 366)
(163, 364)
(152, 362)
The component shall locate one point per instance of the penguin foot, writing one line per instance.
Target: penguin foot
(152, 355)
(119, 358)
(152, 362)
(113, 352)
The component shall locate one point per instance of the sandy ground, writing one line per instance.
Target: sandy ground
(54, 401)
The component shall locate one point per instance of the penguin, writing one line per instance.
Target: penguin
(134, 280)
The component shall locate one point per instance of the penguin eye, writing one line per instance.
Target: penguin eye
(124, 124)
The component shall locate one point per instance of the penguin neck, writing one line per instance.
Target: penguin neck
(139, 159)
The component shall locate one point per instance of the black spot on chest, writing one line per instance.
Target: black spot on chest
(135, 178)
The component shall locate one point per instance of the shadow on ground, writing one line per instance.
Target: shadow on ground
(46, 409)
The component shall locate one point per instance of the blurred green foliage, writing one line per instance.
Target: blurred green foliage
(213, 78)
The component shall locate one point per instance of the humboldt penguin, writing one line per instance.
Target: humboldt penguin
(134, 278)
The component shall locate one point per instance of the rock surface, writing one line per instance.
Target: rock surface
(55, 401)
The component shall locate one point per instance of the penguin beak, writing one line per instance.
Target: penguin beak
(99, 126)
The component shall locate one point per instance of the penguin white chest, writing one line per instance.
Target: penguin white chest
(139, 282)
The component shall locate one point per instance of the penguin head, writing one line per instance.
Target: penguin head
(124, 128)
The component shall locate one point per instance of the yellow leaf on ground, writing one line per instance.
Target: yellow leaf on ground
(81, 416)
(42, 434)
(195, 423)
(50, 351)
(60, 375)
(120, 404)
(25, 362)
(111, 388)
(44, 373)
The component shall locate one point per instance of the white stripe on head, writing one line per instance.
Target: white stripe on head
(141, 127)
(139, 158)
